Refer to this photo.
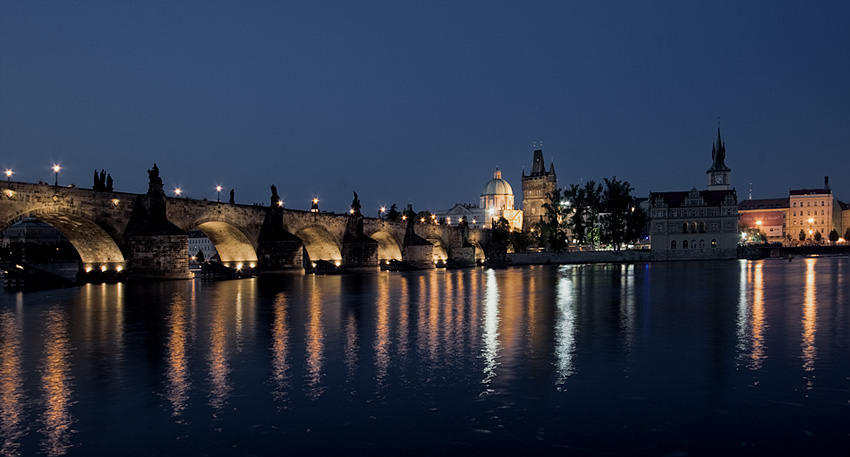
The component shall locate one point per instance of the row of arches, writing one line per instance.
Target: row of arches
(98, 249)
(693, 244)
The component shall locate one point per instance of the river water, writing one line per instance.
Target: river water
(690, 358)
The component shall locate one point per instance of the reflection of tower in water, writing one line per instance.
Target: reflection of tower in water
(565, 326)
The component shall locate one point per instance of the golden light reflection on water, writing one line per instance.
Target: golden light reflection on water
(382, 331)
(565, 327)
(12, 415)
(219, 365)
(315, 342)
(627, 305)
(490, 337)
(177, 374)
(351, 348)
(810, 318)
(280, 348)
(758, 321)
(434, 319)
(56, 385)
(403, 319)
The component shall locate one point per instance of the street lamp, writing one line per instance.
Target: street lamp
(9, 174)
(381, 214)
(177, 191)
(218, 189)
(56, 169)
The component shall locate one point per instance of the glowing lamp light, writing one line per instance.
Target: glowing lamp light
(103, 268)
(115, 202)
(421, 219)
(239, 266)
(251, 265)
(9, 173)
(314, 264)
(88, 269)
(315, 200)
(56, 168)
(177, 191)
(218, 188)
(351, 211)
(280, 203)
(337, 263)
(404, 218)
(119, 268)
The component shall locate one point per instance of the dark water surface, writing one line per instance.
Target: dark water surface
(693, 358)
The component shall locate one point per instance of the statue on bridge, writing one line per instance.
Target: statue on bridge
(275, 197)
(154, 181)
(355, 204)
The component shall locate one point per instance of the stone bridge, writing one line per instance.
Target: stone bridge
(145, 235)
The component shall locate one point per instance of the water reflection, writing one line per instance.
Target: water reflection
(280, 348)
(178, 382)
(382, 332)
(810, 318)
(627, 306)
(219, 365)
(490, 337)
(315, 342)
(565, 327)
(56, 385)
(12, 426)
(752, 320)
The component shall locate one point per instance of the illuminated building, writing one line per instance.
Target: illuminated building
(769, 216)
(535, 186)
(812, 211)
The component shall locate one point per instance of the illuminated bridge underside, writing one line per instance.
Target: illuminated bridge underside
(439, 249)
(388, 248)
(95, 246)
(320, 244)
(232, 245)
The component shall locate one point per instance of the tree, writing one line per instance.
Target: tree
(623, 220)
(584, 203)
(501, 231)
(802, 235)
(554, 226)
(199, 257)
(833, 235)
(520, 240)
(818, 236)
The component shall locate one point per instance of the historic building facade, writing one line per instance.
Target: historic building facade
(496, 201)
(768, 215)
(697, 224)
(814, 211)
(535, 186)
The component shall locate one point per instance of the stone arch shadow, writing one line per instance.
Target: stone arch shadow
(389, 248)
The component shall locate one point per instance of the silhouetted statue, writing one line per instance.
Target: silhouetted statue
(275, 197)
(232, 200)
(155, 182)
(109, 183)
(96, 184)
(102, 179)
(355, 204)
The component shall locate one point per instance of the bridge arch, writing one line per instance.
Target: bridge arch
(96, 247)
(440, 252)
(389, 248)
(320, 243)
(231, 242)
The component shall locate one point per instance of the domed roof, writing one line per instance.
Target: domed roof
(497, 186)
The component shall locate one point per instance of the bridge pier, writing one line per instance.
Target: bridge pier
(359, 251)
(278, 251)
(416, 252)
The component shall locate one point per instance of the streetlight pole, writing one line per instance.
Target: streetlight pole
(381, 214)
(9, 174)
(218, 198)
(56, 169)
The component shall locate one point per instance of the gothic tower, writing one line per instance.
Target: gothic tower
(718, 174)
(534, 189)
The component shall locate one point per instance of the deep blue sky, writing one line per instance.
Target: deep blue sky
(420, 101)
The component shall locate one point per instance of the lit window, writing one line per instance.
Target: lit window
(713, 243)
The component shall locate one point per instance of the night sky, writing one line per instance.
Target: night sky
(420, 101)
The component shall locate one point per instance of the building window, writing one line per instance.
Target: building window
(713, 244)
(685, 244)
(702, 244)
(684, 227)
(821, 203)
(795, 204)
(702, 227)
(673, 244)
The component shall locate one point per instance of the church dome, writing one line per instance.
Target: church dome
(497, 186)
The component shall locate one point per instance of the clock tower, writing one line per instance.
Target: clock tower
(718, 174)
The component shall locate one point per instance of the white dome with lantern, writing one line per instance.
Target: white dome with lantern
(497, 193)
